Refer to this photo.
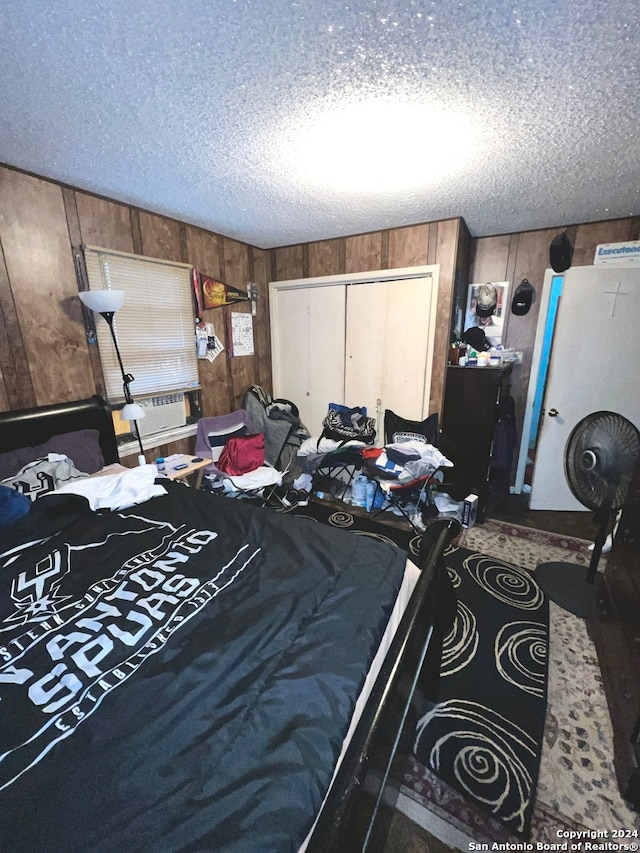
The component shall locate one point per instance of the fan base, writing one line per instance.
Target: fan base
(566, 585)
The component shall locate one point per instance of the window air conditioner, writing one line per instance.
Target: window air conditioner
(162, 413)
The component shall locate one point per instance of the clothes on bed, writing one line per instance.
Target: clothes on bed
(44, 475)
(180, 674)
(117, 491)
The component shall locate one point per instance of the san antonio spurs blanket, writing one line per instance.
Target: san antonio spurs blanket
(179, 675)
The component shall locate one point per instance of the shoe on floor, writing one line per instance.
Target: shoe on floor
(303, 497)
(290, 498)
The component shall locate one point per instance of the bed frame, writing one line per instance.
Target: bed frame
(358, 806)
(29, 427)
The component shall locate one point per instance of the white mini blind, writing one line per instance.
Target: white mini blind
(155, 328)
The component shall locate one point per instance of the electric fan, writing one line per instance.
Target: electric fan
(600, 459)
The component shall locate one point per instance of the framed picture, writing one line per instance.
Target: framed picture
(491, 324)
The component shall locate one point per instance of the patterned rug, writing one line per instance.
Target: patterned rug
(484, 736)
(577, 788)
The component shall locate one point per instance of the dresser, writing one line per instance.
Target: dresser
(474, 401)
(616, 634)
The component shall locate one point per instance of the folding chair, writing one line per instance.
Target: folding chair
(336, 469)
(414, 493)
(212, 435)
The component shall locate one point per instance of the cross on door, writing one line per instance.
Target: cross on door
(615, 293)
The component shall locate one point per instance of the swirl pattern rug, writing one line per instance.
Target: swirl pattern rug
(484, 736)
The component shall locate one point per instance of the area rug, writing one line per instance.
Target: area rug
(577, 788)
(484, 736)
(358, 522)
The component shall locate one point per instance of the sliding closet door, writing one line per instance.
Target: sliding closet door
(359, 339)
(307, 348)
(389, 346)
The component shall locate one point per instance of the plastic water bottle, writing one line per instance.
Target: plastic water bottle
(370, 492)
(359, 490)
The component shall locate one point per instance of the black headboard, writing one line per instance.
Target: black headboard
(29, 427)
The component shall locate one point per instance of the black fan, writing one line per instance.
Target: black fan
(600, 458)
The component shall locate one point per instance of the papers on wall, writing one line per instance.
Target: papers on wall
(242, 334)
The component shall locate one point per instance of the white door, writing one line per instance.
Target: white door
(389, 347)
(307, 349)
(593, 367)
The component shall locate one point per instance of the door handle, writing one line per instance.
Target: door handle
(553, 413)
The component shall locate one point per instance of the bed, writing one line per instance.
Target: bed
(194, 673)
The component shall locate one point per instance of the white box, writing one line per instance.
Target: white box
(625, 254)
(469, 510)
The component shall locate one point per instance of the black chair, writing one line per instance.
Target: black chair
(428, 428)
(404, 496)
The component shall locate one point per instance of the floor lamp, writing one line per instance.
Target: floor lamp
(106, 303)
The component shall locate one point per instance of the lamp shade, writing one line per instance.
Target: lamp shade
(102, 301)
(132, 412)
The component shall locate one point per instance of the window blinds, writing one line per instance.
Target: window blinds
(155, 328)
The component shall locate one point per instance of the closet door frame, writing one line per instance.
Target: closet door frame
(278, 324)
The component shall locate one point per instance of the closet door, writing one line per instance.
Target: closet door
(389, 346)
(307, 348)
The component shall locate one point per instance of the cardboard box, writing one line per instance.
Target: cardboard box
(469, 510)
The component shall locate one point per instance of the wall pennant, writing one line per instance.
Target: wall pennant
(214, 293)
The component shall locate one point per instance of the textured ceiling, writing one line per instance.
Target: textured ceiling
(284, 121)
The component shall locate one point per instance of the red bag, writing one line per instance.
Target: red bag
(241, 454)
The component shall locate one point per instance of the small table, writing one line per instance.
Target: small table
(196, 468)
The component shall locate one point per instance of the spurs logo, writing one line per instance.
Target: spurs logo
(47, 484)
(34, 592)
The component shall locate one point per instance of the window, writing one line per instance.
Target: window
(155, 328)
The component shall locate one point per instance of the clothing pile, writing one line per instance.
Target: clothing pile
(405, 461)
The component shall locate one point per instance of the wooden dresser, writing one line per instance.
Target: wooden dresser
(472, 404)
(616, 634)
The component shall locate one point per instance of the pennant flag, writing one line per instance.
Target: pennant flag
(215, 293)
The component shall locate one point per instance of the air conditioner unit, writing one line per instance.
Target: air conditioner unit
(162, 413)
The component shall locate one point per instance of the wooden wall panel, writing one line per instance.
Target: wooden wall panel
(39, 266)
(489, 259)
(326, 257)
(104, 223)
(287, 263)
(237, 260)
(159, 237)
(408, 247)
(16, 390)
(204, 252)
(262, 330)
(4, 397)
(237, 265)
(446, 257)
(363, 252)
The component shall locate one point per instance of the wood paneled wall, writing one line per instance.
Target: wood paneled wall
(446, 243)
(44, 354)
(512, 257)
